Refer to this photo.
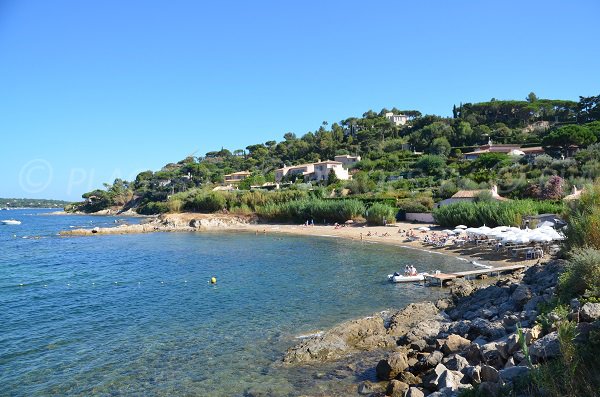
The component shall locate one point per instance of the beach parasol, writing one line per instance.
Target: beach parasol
(423, 229)
(461, 227)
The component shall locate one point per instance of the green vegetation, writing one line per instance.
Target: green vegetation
(31, 203)
(492, 213)
(423, 158)
(317, 210)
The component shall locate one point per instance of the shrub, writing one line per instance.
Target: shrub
(583, 218)
(582, 274)
(206, 202)
(495, 213)
(378, 212)
(153, 208)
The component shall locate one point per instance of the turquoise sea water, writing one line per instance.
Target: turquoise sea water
(135, 314)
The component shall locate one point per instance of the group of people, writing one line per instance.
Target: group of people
(410, 270)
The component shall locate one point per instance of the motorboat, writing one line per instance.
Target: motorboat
(10, 222)
(400, 278)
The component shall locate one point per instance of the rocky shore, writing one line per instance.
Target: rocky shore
(439, 349)
(187, 222)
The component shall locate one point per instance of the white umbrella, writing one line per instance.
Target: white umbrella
(461, 227)
(484, 229)
(423, 229)
(458, 231)
(474, 230)
(521, 239)
(448, 231)
(542, 238)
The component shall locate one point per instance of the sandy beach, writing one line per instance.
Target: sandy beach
(394, 234)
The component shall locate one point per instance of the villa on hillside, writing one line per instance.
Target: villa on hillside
(235, 177)
(313, 171)
(397, 119)
(347, 160)
(471, 195)
(510, 149)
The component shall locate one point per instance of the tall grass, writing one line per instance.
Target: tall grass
(505, 213)
(379, 212)
(316, 209)
(582, 274)
(583, 218)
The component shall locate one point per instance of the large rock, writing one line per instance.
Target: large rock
(473, 354)
(489, 389)
(396, 388)
(590, 312)
(492, 354)
(353, 336)
(449, 379)
(473, 373)
(521, 295)
(434, 359)
(461, 288)
(512, 373)
(409, 378)
(431, 379)
(489, 374)
(414, 392)
(392, 366)
(456, 363)
(491, 330)
(455, 344)
(546, 347)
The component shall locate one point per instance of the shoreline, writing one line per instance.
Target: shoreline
(196, 222)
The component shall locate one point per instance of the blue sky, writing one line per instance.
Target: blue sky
(91, 91)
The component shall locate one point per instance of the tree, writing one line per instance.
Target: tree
(569, 135)
(531, 97)
(431, 164)
(440, 146)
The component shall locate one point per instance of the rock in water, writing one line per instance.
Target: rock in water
(396, 388)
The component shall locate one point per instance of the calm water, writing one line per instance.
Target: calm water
(135, 315)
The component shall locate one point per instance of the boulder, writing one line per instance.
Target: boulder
(367, 387)
(456, 363)
(512, 344)
(489, 389)
(352, 336)
(418, 345)
(396, 388)
(489, 374)
(461, 289)
(455, 343)
(414, 392)
(473, 354)
(392, 366)
(434, 359)
(409, 378)
(546, 347)
(491, 355)
(449, 379)
(491, 330)
(512, 373)
(431, 379)
(590, 312)
(521, 295)
(473, 373)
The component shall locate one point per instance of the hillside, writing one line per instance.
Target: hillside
(407, 158)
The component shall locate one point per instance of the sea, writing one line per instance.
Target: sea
(136, 315)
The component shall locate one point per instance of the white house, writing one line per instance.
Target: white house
(347, 160)
(314, 171)
(397, 119)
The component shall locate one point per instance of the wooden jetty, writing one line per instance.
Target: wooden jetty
(443, 277)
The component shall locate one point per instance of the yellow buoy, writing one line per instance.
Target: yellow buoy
(213, 280)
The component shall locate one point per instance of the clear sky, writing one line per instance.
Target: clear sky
(93, 90)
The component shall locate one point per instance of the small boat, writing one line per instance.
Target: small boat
(10, 222)
(400, 278)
